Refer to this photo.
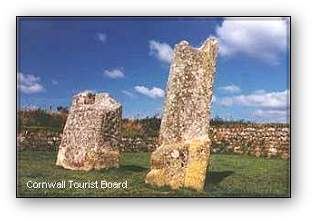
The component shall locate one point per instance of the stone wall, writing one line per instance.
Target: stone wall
(253, 139)
(138, 144)
(38, 139)
(43, 139)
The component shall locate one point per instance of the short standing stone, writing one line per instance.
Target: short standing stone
(91, 134)
(181, 160)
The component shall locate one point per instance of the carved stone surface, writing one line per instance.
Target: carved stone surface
(91, 134)
(181, 160)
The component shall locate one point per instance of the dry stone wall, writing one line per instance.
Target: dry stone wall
(138, 144)
(253, 139)
(260, 140)
(38, 139)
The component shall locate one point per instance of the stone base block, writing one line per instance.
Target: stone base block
(100, 159)
(180, 165)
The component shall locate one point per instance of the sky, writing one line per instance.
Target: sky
(130, 59)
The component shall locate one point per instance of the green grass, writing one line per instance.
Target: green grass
(228, 176)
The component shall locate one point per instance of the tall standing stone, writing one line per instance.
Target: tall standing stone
(182, 158)
(91, 134)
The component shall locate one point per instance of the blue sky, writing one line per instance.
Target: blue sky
(130, 59)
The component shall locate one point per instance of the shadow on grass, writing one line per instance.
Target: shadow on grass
(133, 169)
(213, 178)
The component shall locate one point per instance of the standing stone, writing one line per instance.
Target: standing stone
(182, 158)
(91, 134)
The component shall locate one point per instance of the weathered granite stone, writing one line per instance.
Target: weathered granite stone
(91, 134)
(181, 160)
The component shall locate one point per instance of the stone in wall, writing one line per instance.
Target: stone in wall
(91, 134)
(181, 160)
(259, 140)
(137, 144)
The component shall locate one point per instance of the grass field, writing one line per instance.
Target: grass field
(228, 176)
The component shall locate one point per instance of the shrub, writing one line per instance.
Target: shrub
(41, 118)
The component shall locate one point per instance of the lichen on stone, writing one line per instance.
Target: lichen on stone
(91, 134)
(185, 122)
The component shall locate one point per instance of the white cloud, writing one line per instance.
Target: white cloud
(261, 38)
(114, 73)
(231, 88)
(260, 91)
(29, 107)
(272, 115)
(29, 83)
(162, 51)
(274, 100)
(102, 37)
(129, 94)
(268, 106)
(152, 93)
(262, 113)
(213, 99)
